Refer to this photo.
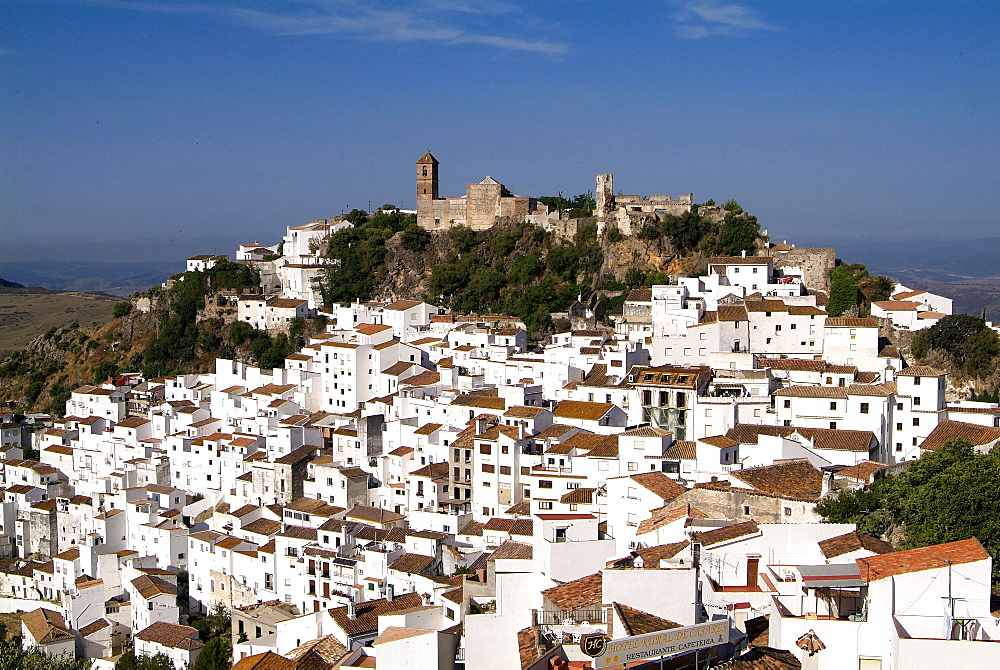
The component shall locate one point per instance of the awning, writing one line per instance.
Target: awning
(825, 576)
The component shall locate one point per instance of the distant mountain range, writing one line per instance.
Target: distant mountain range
(120, 279)
(967, 271)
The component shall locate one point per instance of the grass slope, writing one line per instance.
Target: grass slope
(28, 312)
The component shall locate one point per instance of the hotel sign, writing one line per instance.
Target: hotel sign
(665, 644)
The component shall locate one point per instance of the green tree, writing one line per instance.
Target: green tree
(121, 309)
(963, 337)
(356, 216)
(635, 277)
(563, 261)
(950, 494)
(739, 233)
(732, 206)
(463, 238)
(843, 290)
(215, 655)
(415, 238)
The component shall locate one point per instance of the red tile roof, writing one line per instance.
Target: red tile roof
(579, 593)
(937, 556)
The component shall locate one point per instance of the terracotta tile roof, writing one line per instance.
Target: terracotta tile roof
(920, 371)
(512, 550)
(265, 661)
(952, 430)
(839, 439)
(413, 564)
(397, 369)
(299, 532)
(69, 555)
(368, 612)
(93, 627)
(132, 422)
(666, 514)
(719, 441)
(480, 400)
(637, 622)
(791, 479)
(437, 470)
(861, 472)
(805, 310)
(763, 658)
(523, 412)
(328, 648)
(530, 646)
(523, 527)
(726, 533)
(373, 514)
(875, 568)
(834, 392)
(579, 496)
(739, 260)
(758, 630)
(640, 295)
(554, 431)
(401, 305)
(851, 322)
(46, 626)
(522, 508)
(882, 390)
(732, 313)
(853, 541)
(265, 527)
(576, 594)
(793, 364)
(401, 451)
(651, 556)
(150, 586)
(472, 528)
(427, 429)
(683, 450)
(371, 329)
(580, 409)
(171, 635)
(896, 305)
(660, 484)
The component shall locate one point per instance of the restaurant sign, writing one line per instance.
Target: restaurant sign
(665, 644)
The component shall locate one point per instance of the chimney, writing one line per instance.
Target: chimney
(827, 485)
(388, 593)
(744, 252)
(351, 614)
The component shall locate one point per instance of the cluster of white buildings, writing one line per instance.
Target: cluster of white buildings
(417, 489)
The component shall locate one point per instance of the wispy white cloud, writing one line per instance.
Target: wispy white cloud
(697, 19)
(441, 21)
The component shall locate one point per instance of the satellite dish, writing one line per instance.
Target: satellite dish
(725, 651)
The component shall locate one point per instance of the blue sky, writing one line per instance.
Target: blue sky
(158, 128)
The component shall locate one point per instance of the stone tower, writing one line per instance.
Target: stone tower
(427, 189)
(604, 194)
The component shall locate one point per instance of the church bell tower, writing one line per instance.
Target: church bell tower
(427, 189)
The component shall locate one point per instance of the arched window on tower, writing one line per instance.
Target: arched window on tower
(425, 172)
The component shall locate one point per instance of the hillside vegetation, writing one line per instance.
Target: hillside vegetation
(28, 312)
(516, 269)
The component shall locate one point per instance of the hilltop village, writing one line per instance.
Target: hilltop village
(423, 489)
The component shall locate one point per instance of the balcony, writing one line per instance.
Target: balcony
(577, 617)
